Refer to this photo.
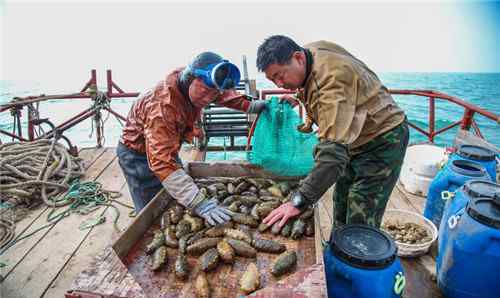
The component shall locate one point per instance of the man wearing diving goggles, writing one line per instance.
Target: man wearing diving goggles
(163, 118)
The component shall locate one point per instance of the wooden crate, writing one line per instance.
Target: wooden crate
(224, 280)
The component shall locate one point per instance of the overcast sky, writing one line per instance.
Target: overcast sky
(57, 43)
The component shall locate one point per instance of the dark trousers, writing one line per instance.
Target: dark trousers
(362, 193)
(142, 182)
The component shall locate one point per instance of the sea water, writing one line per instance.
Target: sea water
(480, 89)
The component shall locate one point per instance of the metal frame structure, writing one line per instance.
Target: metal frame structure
(219, 121)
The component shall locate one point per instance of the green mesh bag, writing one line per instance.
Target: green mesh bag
(277, 145)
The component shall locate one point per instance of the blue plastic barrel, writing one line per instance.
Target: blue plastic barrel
(470, 190)
(468, 259)
(453, 175)
(361, 261)
(478, 154)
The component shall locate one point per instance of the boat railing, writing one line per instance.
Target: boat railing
(101, 102)
(466, 122)
(90, 91)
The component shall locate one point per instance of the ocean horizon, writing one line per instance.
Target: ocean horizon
(480, 89)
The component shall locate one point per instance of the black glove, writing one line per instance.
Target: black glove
(257, 106)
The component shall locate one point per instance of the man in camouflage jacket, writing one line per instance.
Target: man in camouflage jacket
(363, 134)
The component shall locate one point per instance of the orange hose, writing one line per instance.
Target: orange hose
(250, 132)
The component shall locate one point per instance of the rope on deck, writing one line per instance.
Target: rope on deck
(42, 168)
(83, 198)
(45, 168)
(7, 225)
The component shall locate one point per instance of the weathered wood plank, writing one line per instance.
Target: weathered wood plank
(415, 201)
(90, 155)
(390, 205)
(231, 169)
(400, 203)
(317, 236)
(37, 218)
(141, 223)
(323, 222)
(106, 274)
(98, 238)
(420, 280)
(47, 255)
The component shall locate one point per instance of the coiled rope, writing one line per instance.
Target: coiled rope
(41, 168)
(7, 225)
(44, 169)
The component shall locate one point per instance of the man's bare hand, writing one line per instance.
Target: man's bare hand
(283, 212)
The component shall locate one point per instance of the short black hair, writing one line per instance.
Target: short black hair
(276, 49)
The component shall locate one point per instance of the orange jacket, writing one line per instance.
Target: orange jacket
(162, 118)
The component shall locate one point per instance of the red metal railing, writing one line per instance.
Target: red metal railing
(466, 122)
(89, 91)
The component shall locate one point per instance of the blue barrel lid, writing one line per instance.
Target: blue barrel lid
(480, 188)
(468, 168)
(475, 152)
(486, 210)
(363, 246)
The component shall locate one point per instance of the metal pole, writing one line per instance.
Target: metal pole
(31, 128)
(98, 115)
(467, 119)
(109, 81)
(432, 111)
(18, 119)
(245, 75)
(13, 135)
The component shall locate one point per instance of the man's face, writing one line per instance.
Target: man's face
(289, 76)
(200, 94)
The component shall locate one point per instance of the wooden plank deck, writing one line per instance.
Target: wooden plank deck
(46, 264)
(62, 257)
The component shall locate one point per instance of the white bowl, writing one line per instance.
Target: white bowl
(404, 216)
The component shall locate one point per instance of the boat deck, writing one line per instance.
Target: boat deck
(46, 264)
(62, 257)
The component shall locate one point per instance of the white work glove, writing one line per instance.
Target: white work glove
(183, 189)
(212, 212)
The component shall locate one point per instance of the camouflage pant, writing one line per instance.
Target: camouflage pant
(362, 193)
